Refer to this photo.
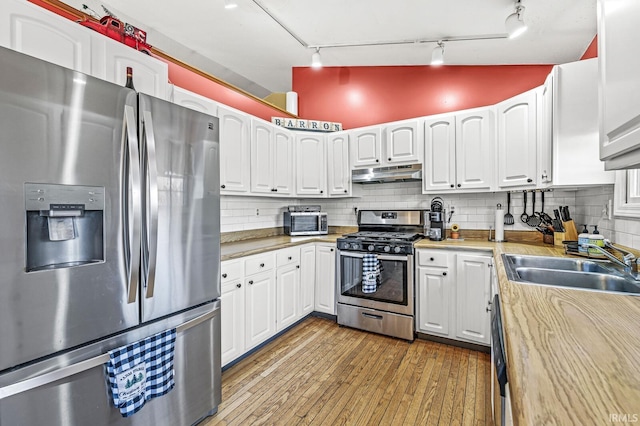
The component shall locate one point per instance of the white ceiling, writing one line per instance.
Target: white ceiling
(246, 47)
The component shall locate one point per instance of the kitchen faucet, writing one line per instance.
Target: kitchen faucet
(627, 262)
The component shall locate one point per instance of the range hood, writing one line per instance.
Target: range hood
(410, 173)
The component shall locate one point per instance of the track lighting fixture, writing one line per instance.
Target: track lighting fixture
(515, 22)
(230, 4)
(316, 61)
(437, 56)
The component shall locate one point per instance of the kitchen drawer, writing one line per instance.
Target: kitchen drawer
(288, 256)
(439, 258)
(231, 270)
(259, 263)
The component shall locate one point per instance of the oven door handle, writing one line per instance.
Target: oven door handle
(380, 256)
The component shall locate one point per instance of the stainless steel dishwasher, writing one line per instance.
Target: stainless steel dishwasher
(498, 366)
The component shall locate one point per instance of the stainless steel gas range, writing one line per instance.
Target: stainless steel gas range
(375, 272)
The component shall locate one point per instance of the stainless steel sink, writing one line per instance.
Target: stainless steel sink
(559, 263)
(567, 272)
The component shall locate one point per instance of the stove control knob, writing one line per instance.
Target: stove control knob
(397, 249)
(371, 247)
(387, 249)
(354, 246)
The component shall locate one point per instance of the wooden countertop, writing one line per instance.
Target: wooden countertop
(573, 356)
(243, 248)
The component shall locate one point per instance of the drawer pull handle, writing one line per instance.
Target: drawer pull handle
(251, 282)
(262, 265)
(431, 259)
(224, 275)
(298, 266)
(444, 273)
(238, 285)
(376, 317)
(289, 257)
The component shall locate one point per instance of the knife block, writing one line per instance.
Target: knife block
(571, 234)
(558, 238)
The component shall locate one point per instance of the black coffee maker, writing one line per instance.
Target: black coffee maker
(437, 220)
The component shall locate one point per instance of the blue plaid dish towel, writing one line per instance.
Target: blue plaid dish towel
(370, 273)
(140, 371)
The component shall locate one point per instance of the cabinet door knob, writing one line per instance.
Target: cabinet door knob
(321, 191)
(289, 257)
(444, 274)
(431, 259)
(544, 176)
(251, 282)
(223, 186)
(262, 265)
(377, 161)
(298, 266)
(331, 249)
(238, 285)
(389, 159)
(488, 309)
(275, 189)
(529, 180)
(224, 275)
(453, 186)
(459, 185)
(345, 191)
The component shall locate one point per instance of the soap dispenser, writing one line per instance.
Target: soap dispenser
(583, 238)
(596, 239)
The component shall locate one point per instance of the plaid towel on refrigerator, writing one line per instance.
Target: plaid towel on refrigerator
(370, 273)
(141, 371)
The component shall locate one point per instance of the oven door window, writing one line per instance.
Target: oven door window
(306, 223)
(391, 284)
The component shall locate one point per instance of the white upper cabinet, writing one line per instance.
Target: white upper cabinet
(575, 126)
(475, 149)
(618, 35)
(366, 147)
(271, 158)
(338, 166)
(402, 142)
(311, 177)
(545, 132)
(459, 152)
(235, 159)
(517, 133)
(193, 101)
(30, 29)
(439, 173)
(110, 59)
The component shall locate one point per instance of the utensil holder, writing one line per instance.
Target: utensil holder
(548, 238)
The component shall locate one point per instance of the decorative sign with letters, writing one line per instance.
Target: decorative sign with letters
(311, 125)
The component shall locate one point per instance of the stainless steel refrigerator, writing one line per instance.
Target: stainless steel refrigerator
(109, 233)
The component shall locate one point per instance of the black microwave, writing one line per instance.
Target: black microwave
(305, 223)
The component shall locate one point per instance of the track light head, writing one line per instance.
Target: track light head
(514, 23)
(437, 56)
(316, 61)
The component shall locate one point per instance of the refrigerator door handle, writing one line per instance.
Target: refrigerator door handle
(79, 367)
(131, 201)
(152, 203)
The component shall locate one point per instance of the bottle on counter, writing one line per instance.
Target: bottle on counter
(596, 239)
(583, 238)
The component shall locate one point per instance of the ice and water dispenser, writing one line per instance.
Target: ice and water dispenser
(64, 225)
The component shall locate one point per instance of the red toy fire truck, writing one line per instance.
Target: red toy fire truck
(114, 28)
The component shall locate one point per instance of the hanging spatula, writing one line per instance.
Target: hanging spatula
(508, 218)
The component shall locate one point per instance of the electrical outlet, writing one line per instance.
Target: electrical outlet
(257, 212)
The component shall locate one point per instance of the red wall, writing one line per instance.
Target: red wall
(189, 80)
(361, 96)
(592, 50)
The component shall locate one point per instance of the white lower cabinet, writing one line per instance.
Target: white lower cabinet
(232, 310)
(260, 308)
(265, 293)
(453, 292)
(325, 300)
(473, 298)
(307, 278)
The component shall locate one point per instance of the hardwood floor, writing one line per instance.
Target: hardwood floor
(321, 374)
